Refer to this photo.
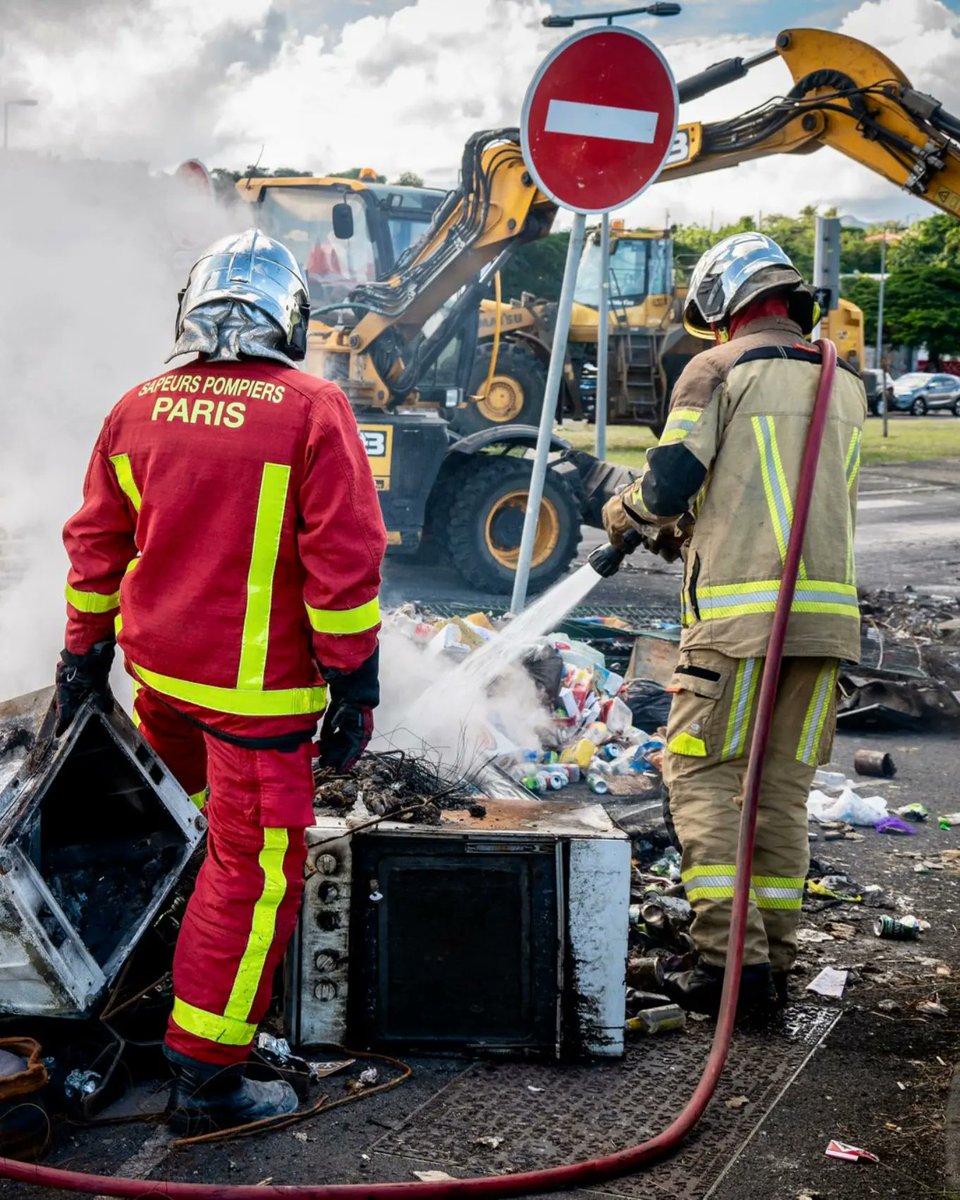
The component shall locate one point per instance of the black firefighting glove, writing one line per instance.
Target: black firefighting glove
(81, 677)
(348, 723)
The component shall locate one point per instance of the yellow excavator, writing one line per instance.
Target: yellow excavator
(402, 345)
(647, 345)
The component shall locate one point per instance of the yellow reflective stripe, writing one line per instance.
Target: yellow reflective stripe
(121, 464)
(851, 465)
(778, 891)
(793, 882)
(91, 602)
(686, 743)
(263, 562)
(812, 730)
(226, 1030)
(679, 423)
(775, 484)
(345, 620)
(199, 798)
(780, 902)
(760, 596)
(281, 702)
(250, 972)
(741, 706)
(134, 715)
(727, 870)
(709, 893)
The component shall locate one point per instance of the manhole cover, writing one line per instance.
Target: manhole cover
(551, 1114)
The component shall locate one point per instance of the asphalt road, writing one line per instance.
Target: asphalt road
(908, 532)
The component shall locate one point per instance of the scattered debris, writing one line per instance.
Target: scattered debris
(737, 1101)
(902, 929)
(432, 1176)
(874, 762)
(932, 1008)
(489, 1140)
(913, 812)
(829, 983)
(661, 1019)
(848, 1153)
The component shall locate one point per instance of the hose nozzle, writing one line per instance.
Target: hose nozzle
(607, 560)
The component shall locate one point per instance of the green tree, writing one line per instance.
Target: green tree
(922, 305)
(863, 291)
(409, 179)
(536, 267)
(931, 242)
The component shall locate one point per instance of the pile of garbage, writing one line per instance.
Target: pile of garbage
(909, 673)
(596, 727)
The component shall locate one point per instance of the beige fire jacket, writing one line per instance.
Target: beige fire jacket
(730, 455)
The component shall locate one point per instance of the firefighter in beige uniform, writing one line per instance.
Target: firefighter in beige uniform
(729, 459)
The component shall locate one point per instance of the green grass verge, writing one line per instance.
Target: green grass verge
(911, 439)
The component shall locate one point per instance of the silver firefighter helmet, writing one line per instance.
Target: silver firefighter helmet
(734, 273)
(245, 294)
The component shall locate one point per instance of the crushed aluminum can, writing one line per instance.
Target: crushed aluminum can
(897, 929)
(662, 1019)
(598, 785)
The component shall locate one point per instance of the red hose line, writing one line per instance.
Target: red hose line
(623, 1161)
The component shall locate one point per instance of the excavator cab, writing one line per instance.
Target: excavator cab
(344, 232)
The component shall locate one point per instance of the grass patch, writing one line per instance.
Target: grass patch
(911, 439)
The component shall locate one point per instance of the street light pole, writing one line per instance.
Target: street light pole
(883, 374)
(7, 105)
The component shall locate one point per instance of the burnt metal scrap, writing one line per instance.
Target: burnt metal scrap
(400, 784)
(94, 834)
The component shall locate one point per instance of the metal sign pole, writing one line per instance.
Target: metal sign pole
(880, 366)
(551, 393)
(603, 337)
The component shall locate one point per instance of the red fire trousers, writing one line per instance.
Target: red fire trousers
(245, 904)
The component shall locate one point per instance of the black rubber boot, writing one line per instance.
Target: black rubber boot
(780, 981)
(699, 989)
(208, 1096)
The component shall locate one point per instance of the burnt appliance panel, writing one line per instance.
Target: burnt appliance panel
(506, 931)
(94, 834)
(457, 942)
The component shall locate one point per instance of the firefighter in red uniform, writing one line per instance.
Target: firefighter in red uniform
(230, 533)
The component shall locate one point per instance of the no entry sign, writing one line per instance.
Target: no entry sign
(598, 119)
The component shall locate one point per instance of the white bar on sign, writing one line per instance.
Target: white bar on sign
(601, 121)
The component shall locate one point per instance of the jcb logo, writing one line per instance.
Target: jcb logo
(378, 443)
(374, 442)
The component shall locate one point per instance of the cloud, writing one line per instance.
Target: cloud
(402, 85)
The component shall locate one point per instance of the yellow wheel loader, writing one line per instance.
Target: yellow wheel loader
(397, 328)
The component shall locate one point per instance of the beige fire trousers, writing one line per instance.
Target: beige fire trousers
(708, 738)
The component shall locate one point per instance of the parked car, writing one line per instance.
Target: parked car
(879, 385)
(920, 392)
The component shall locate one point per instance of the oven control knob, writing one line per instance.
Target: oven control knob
(327, 863)
(325, 960)
(325, 990)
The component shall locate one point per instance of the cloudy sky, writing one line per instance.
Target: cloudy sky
(400, 84)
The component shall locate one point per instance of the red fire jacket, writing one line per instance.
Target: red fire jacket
(230, 518)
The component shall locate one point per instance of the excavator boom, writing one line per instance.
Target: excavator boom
(846, 95)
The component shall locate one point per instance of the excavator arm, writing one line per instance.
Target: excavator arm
(846, 95)
(386, 333)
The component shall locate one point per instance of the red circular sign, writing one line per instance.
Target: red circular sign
(598, 119)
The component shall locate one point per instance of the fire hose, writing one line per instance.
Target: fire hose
(622, 1162)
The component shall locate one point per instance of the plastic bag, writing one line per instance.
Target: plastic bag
(848, 806)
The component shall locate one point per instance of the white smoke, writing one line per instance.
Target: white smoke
(464, 721)
(92, 258)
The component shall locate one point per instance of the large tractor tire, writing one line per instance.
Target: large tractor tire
(515, 395)
(485, 524)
